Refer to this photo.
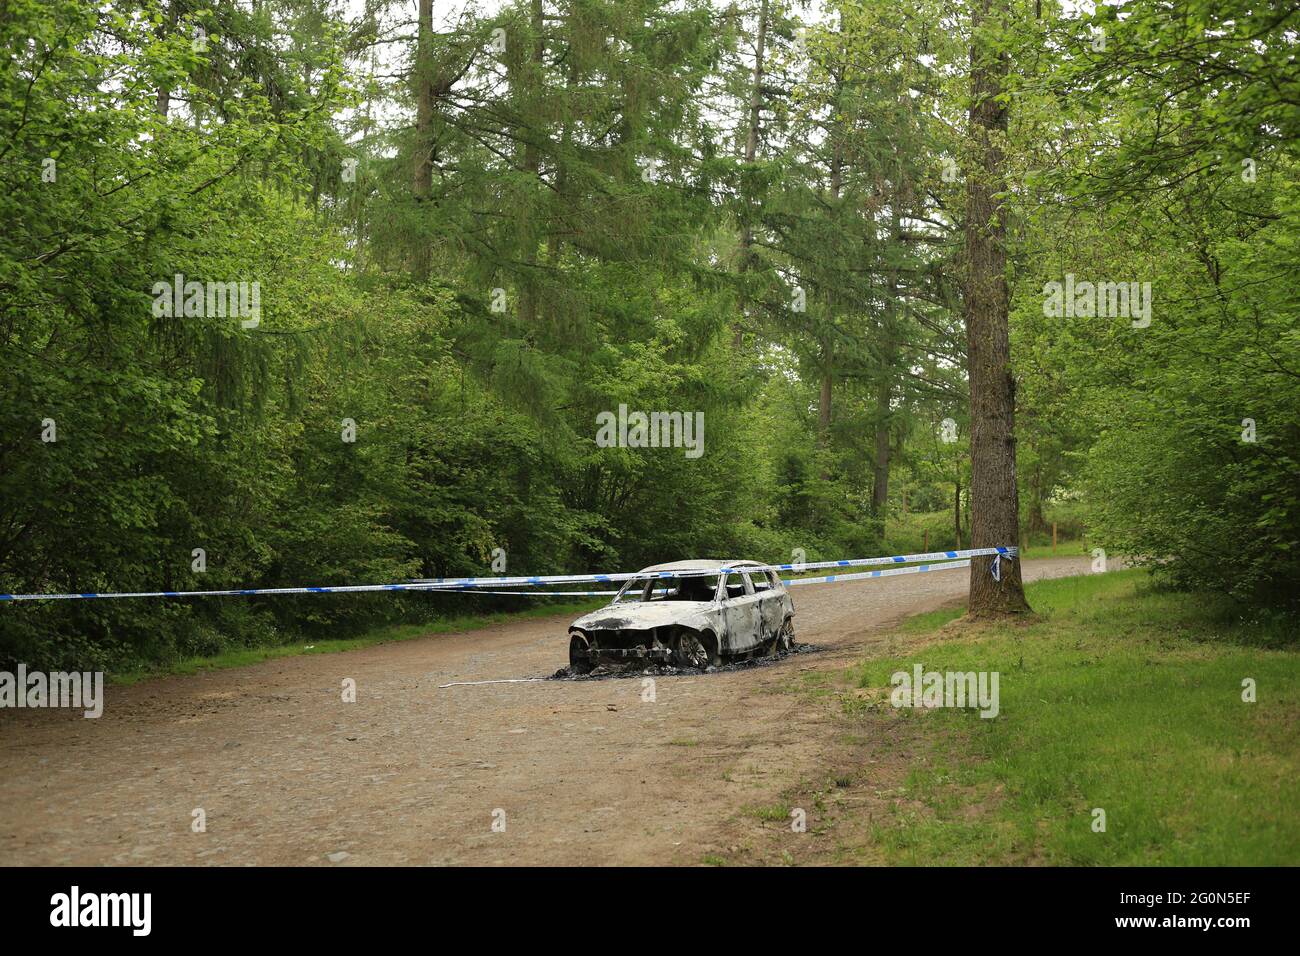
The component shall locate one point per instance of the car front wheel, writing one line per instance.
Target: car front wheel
(689, 650)
(579, 653)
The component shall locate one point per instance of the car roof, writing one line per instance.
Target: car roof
(701, 564)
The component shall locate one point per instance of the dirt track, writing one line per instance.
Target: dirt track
(586, 772)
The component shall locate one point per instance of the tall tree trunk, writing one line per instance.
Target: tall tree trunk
(880, 467)
(422, 175)
(889, 356)
(824, 415)
(554, 240)
(528, 293)
(162, 103)
(1037, 520)
(828, 348)
(994, 503)
(751, 151)
(824, 403)
(956, 510)
(422, 183)
(756, 91)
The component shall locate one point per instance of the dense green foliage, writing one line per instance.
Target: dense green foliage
(472, 238)
(1185, 430)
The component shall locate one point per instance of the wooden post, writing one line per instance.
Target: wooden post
(1053, 537)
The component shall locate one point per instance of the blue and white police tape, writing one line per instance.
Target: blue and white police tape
(789, 582)
(827, 579)
(798, 568)
(888, 572)
(234, 592)
(479, 584)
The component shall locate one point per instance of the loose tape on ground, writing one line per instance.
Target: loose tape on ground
(478, 585)
(502, 680)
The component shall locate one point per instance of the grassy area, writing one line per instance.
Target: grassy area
(1116, 697)
(243, 656)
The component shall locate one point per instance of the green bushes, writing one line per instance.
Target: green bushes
(1196, 469)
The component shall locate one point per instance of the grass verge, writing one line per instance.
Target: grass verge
(1117, 697)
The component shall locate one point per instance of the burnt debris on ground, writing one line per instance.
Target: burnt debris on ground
(657, 669)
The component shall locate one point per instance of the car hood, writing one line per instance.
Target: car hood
(653, 614)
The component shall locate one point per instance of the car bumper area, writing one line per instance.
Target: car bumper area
(630, 653)
(622, 646)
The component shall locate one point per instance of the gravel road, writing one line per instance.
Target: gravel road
(548, 772)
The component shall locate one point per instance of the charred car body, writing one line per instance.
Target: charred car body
(688, 614)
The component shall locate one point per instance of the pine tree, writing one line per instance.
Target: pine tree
(995, 510)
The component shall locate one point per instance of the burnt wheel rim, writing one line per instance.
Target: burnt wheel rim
(784, 638)
(579, 653)
(690, 652)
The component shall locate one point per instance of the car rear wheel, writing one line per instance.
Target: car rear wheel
(579, 653)
(784, 640)
(692, 650)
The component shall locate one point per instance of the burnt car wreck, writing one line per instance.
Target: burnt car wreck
(689, 614)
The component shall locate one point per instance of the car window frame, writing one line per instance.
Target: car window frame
(718, 592)
(725, 594)
(656, 579)
(660, 583)
(624, 593)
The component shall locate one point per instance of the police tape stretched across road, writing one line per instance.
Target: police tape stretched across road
(481, 584)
